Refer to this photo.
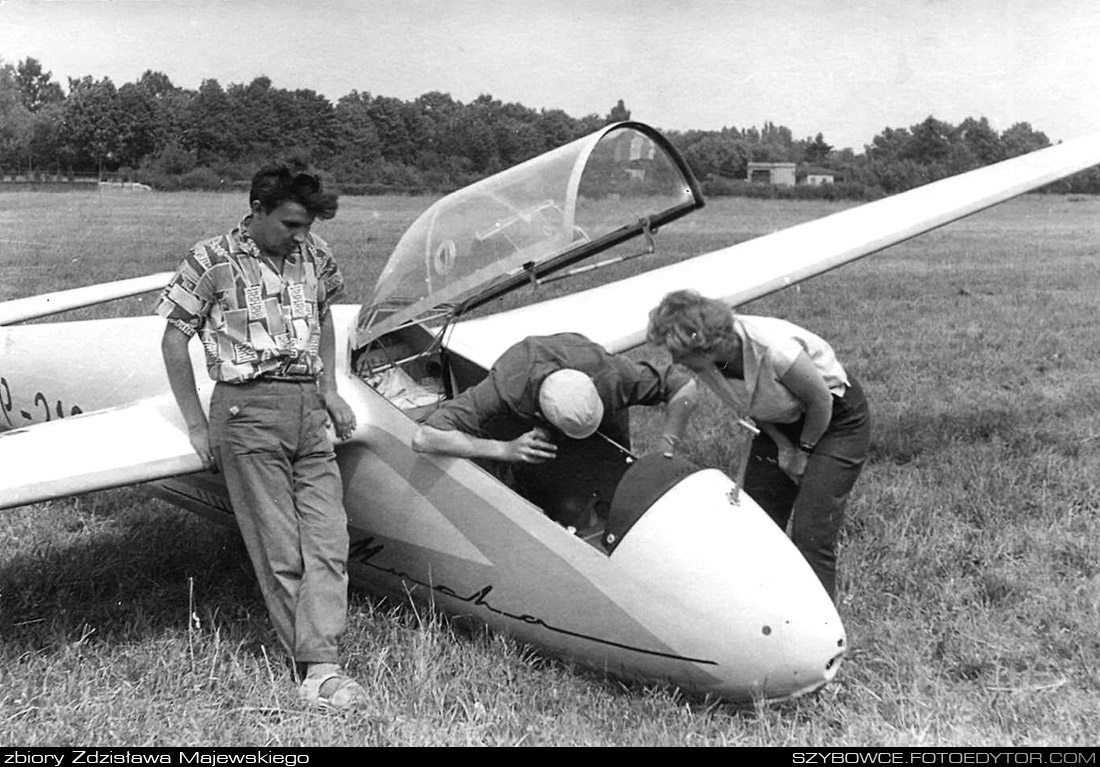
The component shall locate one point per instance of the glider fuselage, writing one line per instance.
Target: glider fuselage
(705, 592)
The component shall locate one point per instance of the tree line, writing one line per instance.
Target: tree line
(157, 133)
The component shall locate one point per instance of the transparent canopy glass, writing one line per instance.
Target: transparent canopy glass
(528, 221)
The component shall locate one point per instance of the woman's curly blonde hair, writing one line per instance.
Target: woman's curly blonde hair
(686, 322)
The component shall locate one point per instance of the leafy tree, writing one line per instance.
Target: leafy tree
(254, 120)
(517, 136)
(433, 128)
(896, 176)
(16, 122)
(777, 136)
(557, 128)
(305, 121)
(37, 88)
(769, 152)
(475, 131)
(929, 143)
(179, 136)
(981, 140)
(817, 150)
(715, 154)
(590, 124)
(45, 142)
(618, 113)
(90, 120)
(151, 114)
(889, 145)
(173, 161)
(209, 128)
(1021, 138)
(391, 123)
(357, 145)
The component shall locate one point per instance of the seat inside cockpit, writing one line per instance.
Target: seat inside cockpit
(402, 368)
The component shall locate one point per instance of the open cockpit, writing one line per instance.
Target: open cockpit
(527, 226)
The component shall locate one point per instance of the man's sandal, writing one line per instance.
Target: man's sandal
(345, 692)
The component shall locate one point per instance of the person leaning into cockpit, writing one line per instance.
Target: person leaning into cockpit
(815, 425)
(546, 393)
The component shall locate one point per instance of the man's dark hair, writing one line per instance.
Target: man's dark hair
(281, 182)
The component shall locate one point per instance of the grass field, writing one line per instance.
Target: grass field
(970, 563)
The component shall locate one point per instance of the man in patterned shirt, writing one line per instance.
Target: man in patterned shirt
(259, 298)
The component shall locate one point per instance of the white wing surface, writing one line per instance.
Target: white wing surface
(94, 451)
(45, 304)
(616, 314)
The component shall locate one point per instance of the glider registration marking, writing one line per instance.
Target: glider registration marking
(7, 405)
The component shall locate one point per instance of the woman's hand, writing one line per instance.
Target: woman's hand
(793, 462)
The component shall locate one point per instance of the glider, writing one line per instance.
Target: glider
(685, 580)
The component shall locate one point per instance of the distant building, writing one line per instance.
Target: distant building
(817, 179)
(778, 173)
(636, 151)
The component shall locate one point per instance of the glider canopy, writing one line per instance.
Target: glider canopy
(527, 222)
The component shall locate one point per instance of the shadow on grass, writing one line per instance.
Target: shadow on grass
(130, 569)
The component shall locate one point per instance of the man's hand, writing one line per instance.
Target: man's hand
(341, 415)
(533, 447)
(181, 378)
(200, 442)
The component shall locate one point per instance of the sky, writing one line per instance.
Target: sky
(844, 68)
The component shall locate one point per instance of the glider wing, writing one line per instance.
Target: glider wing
(93, 451)
(32, 307)
(616, 314)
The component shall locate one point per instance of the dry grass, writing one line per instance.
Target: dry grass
(971, 558)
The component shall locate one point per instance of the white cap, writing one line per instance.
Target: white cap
(569, 400)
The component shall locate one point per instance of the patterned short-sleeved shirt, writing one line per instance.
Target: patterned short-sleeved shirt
(252, 319)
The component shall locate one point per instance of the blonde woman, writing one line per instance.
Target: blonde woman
(814, 421)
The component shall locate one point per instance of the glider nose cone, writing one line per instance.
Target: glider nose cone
(814, 656)
(729, 591)
(814, 644)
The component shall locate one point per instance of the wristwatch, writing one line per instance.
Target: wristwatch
(806, 447)
(673, 442)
